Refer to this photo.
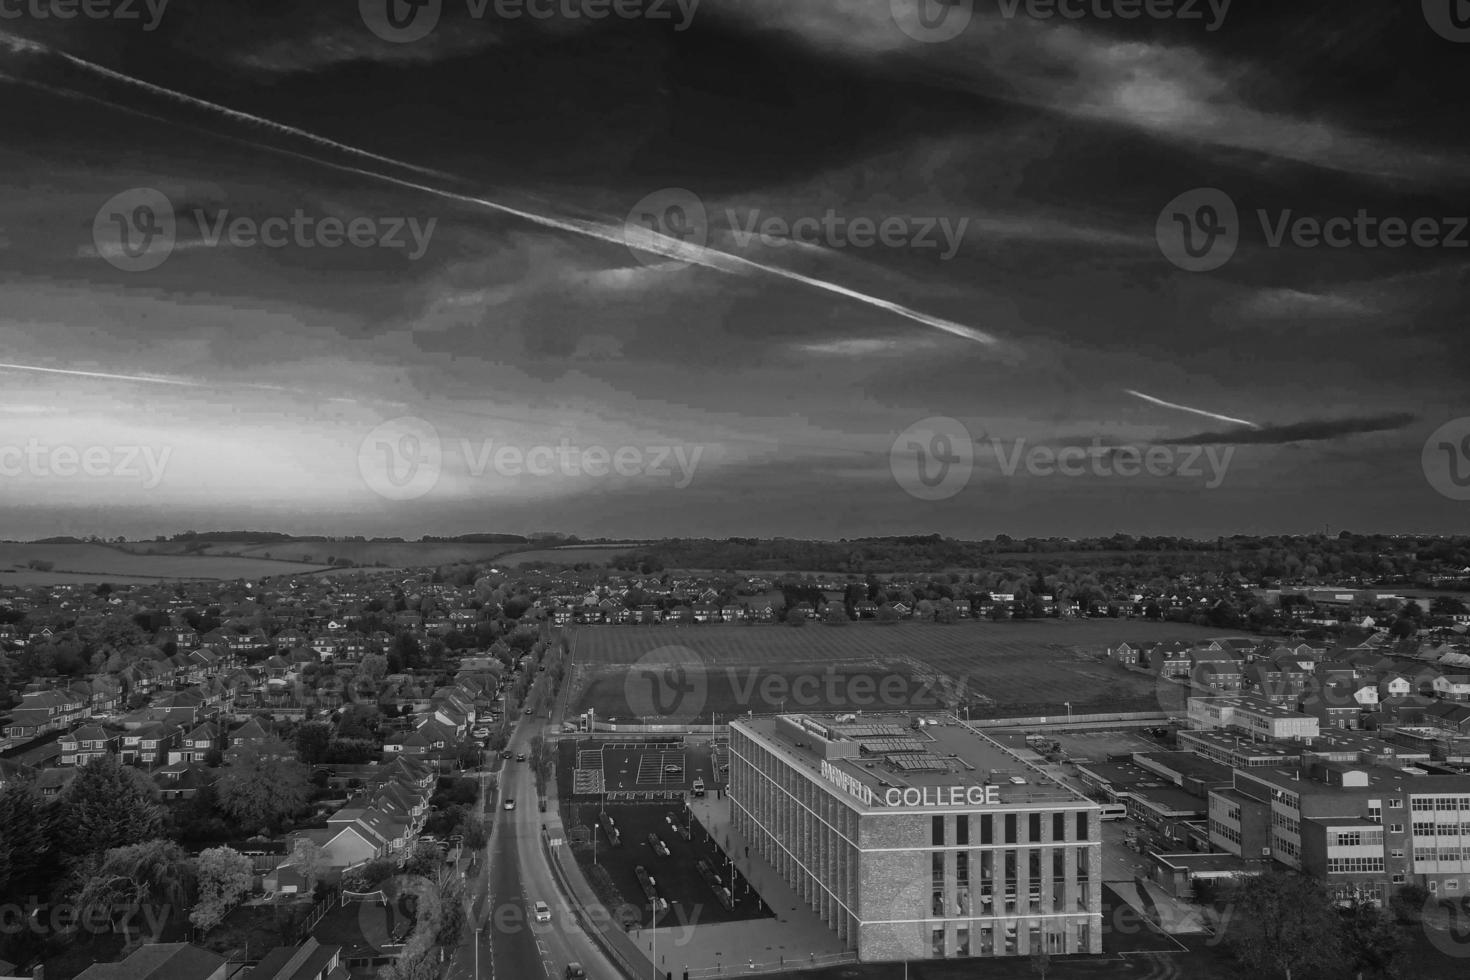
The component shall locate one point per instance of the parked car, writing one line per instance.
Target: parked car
(481, 733)
(510, 803)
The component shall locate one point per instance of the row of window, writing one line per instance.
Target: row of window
(1354, 865)
(1441, 803)
(1438, 854)
(1357, 838)
(1009, 828)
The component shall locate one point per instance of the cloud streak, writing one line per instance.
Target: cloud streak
(1193, 411)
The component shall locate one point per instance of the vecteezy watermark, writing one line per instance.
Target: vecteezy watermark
(666, 227)
(403, 458)
(405, 21)
(1446, 459)
(934, 459)
(60, 918)
(149, 12)
(932, 21)
(1450, 19)
(671, 685)
(35, 459)
(833, 230)
(137, 230)
(1100, 460)
(1199, 230)
(1211, 12)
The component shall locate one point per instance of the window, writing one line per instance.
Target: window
(937, 830)
(987, 835)
(1395, 804)
(1453, 885)
(1397, 852)
(962, 829)
(1058, 826)
(1010, 828)
(1082, 825)
(1035, 828)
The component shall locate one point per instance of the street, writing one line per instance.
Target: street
(509, 943)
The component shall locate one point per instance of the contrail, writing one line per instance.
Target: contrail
(22, 46)
(1194, 411)
(636, 238)
(102, 374)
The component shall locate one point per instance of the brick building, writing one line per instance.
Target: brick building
(919, 841)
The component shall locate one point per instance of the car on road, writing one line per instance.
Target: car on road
(505, 754)
(575, 971)
(528, 711)
(542, 912)
(510, 803)
(520, 757)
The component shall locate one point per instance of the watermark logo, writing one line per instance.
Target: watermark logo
(401, 21)
(1450, 19)
(667, 686)
(35, 459)
(1446, 923)
(933, 459)
(1212, 12)
(149, 12)
(135, 230)
(1199, 230)
(932, 21)
(665, 225)
(1207, 463)
(401, 459)
(840, 232)
(1446, 459)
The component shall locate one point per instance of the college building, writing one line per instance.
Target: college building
(916, 840)
(1364, 829)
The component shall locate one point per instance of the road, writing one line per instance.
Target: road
(511, 945)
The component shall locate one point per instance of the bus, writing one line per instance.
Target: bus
(1114, 811)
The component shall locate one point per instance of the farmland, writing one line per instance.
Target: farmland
(389, 554)
(998, 668)
(84, 563)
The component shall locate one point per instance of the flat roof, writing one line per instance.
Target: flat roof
(952, 755)
(1252, 703)
(1241, 743)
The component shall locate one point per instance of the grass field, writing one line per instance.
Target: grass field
(97, 563)
(391, 554)
(1010, 668)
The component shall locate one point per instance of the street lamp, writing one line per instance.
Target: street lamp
(1069, 709)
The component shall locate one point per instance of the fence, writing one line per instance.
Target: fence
(1116, 717)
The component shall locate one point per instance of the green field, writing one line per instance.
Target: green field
(998, 669)
(85, 563)
(390, 554)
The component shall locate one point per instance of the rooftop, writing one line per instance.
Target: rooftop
(885, 762)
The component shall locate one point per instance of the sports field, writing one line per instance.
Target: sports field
(998, 669)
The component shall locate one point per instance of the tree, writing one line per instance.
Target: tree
(224, 876)
(1040, 963)
(263, 783)
(424, 858)
(307, 858)
(312, 742)
(795, 617)
(474, 833)
(835, 615)
(154, 877)
(23, 843)
(1373, 940)
(107, 805)
(1286, 925)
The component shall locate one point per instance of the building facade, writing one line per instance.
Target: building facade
(916, 843)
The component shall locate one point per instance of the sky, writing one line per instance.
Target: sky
(732, 267)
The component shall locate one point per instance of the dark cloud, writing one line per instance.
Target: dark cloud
(1311, 430)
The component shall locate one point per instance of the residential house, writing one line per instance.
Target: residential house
(82, 745)
(162, 961)
(309, 961)
(196, 744)
(147, 745)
